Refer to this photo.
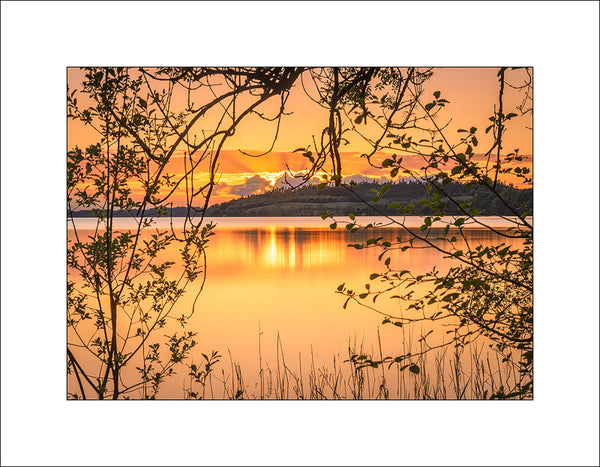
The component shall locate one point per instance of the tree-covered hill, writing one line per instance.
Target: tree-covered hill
(341, 201)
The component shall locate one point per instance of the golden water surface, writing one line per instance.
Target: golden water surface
(280, 275)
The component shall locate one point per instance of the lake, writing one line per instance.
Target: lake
(270, 308)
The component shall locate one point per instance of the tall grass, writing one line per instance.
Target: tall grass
(470, 372)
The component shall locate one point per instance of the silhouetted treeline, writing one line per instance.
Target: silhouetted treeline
(174, 212)
(341, 201)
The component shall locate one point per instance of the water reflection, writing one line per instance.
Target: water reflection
(284, 249)
(288, 249)
(284, 277)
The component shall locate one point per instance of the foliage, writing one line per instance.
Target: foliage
(122, 286)
(488, 289)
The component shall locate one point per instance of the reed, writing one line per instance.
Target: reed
(464, 372)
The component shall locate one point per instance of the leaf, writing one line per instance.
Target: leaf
(456, 170)
(352, 216)
(299, 149)
(414, 369)
(333, 226)
(430, 106)
(373, 276)
(341, 286)
(451, 296)
(371, 241)
(437, 94)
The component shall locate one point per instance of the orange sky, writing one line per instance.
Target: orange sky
(472, 92)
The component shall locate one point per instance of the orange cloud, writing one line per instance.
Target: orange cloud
(253, 185)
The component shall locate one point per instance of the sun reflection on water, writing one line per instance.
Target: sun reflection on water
(289, 249)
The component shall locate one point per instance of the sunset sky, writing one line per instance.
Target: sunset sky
(472, 92)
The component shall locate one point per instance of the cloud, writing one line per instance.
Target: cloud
(291, 182)
(250, 186)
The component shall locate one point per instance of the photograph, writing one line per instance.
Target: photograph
(300, 233)
(294, 233)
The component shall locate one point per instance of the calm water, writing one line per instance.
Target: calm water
(281, 274)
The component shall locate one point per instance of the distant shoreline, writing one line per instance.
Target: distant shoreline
(294, 222)
(400, 199)
(125, 215)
